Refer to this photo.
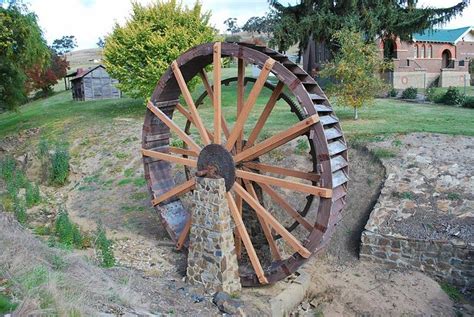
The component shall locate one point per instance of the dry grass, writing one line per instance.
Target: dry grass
(47, 281)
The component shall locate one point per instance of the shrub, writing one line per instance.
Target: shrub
(32, 194)
(104, 248)
(453, 96)
(410, 93)
(7, 168)
(67, 232)
(393, 93)
(434, 95)
(20, 211)
(141, 50)
(468, 102)
(60, 165)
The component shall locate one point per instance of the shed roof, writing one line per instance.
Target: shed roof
(440, 35)
(82, 72)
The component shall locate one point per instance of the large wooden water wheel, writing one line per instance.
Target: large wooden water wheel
(296, 208)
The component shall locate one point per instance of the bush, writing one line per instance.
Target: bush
(409, 93)
(434, 95)
(32, 194)
(20, 211)
(453, 96)
(7, 168)
(67, 232)
(468, 102)
(139, 52)
(104, 248)
(60, 165)
(393, 93)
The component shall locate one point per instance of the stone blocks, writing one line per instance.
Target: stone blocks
(212, 261)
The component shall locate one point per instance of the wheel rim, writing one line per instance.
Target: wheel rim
(328, 149)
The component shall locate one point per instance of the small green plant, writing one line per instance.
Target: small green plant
(104, 248)
(125, 181)
(6, 305)
(67, 232)
(34, 277)
(453, 96)
(393, 93)
(383, 153)
(409, 93)
(121, 155)
(302, 147)
(434, 95)
(404, 195)
(32, 194)
(454, 196)
(129, 172)
(60, 165)
(42, 230)
(397, 143)
(177, 143)
(468, 102)
(451, 291)
(139, 181)
(7, 168)
(19, 210)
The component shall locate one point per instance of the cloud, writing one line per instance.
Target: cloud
(88, 20)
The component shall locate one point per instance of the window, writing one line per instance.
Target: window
(416, 51)
(461, 63)
(422, 51)
(429, 51)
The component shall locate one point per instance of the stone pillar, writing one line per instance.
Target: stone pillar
(212, 261)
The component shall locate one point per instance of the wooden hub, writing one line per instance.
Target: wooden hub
(300, 205)
(215, 161)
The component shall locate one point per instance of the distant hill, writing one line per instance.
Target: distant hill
(84, 58)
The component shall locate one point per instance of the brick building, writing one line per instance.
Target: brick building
(433, 58)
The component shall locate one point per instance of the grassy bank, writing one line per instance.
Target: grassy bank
(59, 113)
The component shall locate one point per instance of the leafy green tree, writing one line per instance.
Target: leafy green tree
(263, 24)
(21, 46)
(64, 45)
(138, 53)
(355, 69)
(320, 19)
(232, 26)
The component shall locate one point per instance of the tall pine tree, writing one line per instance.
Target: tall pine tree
(321, 19)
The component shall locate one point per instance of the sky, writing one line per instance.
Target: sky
(88, 20)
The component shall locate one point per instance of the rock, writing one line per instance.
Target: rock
(228, 305)
(197, 298)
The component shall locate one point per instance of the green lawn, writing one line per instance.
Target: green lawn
(59, 114)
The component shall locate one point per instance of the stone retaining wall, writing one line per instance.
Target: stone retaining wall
(452, 261)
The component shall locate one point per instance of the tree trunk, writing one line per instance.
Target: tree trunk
(356, 114)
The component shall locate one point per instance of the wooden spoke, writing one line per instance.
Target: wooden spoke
(238, 239)
(244, 113)
(174, 127)
(269, 180)
(169, 158)
(240, 98)
(239, 225)
(267, 230)
(277, 140)
(217, 93)
(210, 93)
(282, 171)
(189, 101)
(287, 236)
(265, 114)
(190, 118)
(286, 206)
(180, 151)
(178, 190)
(183, 234)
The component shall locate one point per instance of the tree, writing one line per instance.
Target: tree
(64, 45)
(101, 43)
(138, 53)
(21, 46)
(355, 69)
(263, 24)
(232, 26)
(385, 18)
(43, 78)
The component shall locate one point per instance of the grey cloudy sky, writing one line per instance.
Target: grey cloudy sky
(90, 19)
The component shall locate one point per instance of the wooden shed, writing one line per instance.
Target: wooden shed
(94, 83)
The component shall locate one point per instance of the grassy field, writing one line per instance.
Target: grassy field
(59, 113)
